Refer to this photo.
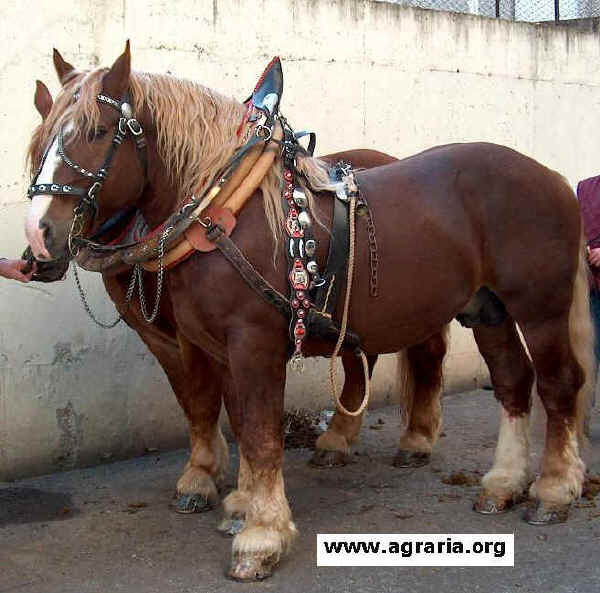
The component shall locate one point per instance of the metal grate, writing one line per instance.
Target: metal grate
(517, 10)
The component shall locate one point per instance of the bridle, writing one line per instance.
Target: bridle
(258, 130)
(87, 207)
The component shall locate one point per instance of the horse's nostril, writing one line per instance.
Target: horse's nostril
(47, 234)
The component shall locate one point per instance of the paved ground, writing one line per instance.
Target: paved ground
(110, 529)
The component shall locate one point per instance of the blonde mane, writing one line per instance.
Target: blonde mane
(196, 131)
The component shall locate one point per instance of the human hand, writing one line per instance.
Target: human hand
(14, 269)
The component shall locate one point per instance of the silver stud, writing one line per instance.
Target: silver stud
(310, 246)
(126, 110)
(312, 267)
(300, 198)
(304, 219)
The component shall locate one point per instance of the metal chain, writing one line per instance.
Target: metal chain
(135, 276)
(159, 280)
(86, 306)
(373, 258)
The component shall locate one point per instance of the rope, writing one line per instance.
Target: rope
(344, 327)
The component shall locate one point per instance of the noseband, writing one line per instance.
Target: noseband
(87, 208)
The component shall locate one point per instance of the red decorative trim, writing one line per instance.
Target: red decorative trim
(245, 119)
(262, 76)
(124, 232)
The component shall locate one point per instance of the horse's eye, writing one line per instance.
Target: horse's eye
(96, 134)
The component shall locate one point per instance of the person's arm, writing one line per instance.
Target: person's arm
(13, 269)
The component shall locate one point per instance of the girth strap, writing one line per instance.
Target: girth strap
(337, 260)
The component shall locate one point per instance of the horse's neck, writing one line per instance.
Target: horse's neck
(160, 196)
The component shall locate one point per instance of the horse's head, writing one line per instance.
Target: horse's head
(89, 154)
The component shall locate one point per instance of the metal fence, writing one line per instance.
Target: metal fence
(516, 10)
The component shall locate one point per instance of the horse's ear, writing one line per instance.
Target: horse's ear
(42, 99)
(63, 68)
(116, 80)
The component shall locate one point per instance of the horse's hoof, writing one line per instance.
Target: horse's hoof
(192, 503)
(325, 458)
(542, 514)
(489, 505)
(231, 526)
(252, 567)
(411, 459)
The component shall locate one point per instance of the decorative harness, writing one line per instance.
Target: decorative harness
(312, 297)
(127, 124)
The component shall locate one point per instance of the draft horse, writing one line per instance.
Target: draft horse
(460, 228)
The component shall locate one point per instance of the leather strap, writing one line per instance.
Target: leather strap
(337, 259)
(321, 326)
(231, 252)
(55, 189)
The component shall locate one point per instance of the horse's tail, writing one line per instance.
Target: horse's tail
(406, 385)
(581, 331)
(408, 376)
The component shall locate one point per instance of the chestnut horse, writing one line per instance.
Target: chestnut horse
(197, 380)
(458, 227)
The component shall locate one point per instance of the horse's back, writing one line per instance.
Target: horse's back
(457, 217)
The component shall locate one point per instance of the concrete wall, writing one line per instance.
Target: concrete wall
(361, 73)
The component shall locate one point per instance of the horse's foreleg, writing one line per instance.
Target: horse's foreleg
(333, 446)
(199, 393)
(236, 503)
(255, 407)
(512, 377)
(421, 391)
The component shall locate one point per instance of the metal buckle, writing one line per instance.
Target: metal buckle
(94, 189)
(126, 110)
(131, 124)
(340, 191)
(260, 132)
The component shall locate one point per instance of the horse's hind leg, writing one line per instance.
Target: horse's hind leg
(420, 392)
(333, 446)
(512, 376)
(561, 383)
